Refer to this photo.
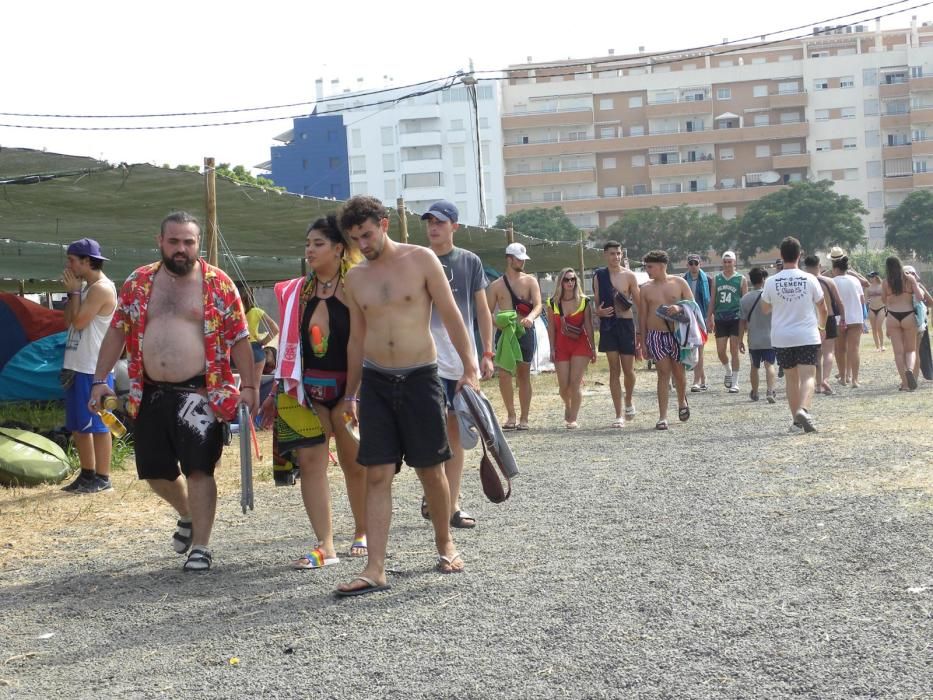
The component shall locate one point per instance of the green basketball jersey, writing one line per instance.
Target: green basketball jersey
(728, 295)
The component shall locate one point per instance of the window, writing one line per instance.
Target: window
(916, 71)
(608, 163)
(920, 166)
(851, 174)
(424, 180)
(873, 168)
(760, 91)
(762, 119)
(388, 162)
(728, 213)
(357, 165)
(762, 151)
(785, 57)
(758, 60)
(356, 138)
(390, 190)
(821, 84)
(484, 152)
(635, 102)
(849, 144)
(636, 130)
(876, 232)
(790, 117)
(727, 183)
(872, 139)
(457, 155)
(607, 132)
(725, 63)
(823, 146)
(790, 87)
(790, 149)
(824, 174)
(875, 200)
(334, 163)
(304, 163)
(794, 177)
(456, 125)
(869, 77)
(847, 81)
(551, 197)
(484, 122)
(388, 136)
(613, 191)
(576, 136)
(464, 209)
(670, 187)
(460, 184)
(357, 188)
(819, 54)
(726, 153)
(821, 115)
(605, 103)
(723, 93)
(638, 161)
(639, 189)
(871, 107)
(848, 112)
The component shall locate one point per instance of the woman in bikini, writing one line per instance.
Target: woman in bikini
(570, 330)
(876, 312)
(898, 293)
(316, 330)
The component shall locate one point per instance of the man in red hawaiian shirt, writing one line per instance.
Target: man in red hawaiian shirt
(180, 320)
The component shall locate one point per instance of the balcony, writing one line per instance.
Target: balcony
(571, 176)
(415, 194)
(680, 108)
(698, 167)
(895, 89)
(782, 100)
(899, 182)
(920, 84)
(920, 115)
(419, 138)
(899, 151)
(562, 117)
(790, 160)
(896, 120)
(922, 148)
(923, 179)
(425, 165)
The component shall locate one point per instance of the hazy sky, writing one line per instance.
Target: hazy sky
(107, 57)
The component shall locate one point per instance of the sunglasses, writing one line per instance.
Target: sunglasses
(570, 279)
(693, 262)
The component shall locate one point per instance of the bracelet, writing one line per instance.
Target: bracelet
(98, 381)
(351, 398)
(490, 355)
(822, 328)
(74, 294)
(247, 387)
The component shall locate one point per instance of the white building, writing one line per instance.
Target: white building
(424, 148)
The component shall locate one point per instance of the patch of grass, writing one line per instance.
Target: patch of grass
(41, 415)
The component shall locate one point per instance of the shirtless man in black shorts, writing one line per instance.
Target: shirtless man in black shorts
(392, 374)
(520, 292)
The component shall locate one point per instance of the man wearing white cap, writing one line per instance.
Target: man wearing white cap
(728, 288)
(518, 292)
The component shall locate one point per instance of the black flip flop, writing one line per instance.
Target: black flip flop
(459, 519)
(684, 414)
(425, 513)
(370, 587)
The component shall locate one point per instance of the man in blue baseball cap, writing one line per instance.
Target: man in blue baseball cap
(464, 271)
(92, 298)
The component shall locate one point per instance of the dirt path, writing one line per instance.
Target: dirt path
(725, 558)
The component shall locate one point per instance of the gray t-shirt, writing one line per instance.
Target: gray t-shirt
(465, 274)
(759, 323)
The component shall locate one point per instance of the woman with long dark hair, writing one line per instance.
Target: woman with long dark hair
(311, 376)
(898, 293)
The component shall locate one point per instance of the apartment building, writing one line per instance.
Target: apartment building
(422, 148)
(720, 128)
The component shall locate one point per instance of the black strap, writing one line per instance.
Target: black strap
(752, 310)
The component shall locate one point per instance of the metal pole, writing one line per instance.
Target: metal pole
(470, 82)
(210, 208)
(402, 220)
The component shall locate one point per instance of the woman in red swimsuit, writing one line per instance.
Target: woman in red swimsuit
(570, 329)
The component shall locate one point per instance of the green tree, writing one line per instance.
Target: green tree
(551, 224)
(909, 227)
(811, 212)
(864, 260)
(679, 231)
(238, 174)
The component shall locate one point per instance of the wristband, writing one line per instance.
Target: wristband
(98, 381)
(490, 355)
(247, 387)
(351, 398)
(74, 294)
(822, 328)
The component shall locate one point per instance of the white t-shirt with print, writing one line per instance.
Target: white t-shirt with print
(792, 294)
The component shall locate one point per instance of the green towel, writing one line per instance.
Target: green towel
(508, 351)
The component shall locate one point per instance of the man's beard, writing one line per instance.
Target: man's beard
(176, 267)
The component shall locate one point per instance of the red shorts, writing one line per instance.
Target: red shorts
(566, 347)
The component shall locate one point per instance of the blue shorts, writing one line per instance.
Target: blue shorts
(758, 356)
(259, 355)
(78, 419)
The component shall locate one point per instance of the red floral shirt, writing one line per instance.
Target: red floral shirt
(224, 325)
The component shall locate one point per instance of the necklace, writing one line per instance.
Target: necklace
(329, 283)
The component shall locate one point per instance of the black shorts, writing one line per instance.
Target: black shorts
(403, 416)
(176, 426)
(726, 327)
(618, 337)
(788, 358)
(528, 344)
(832, 328)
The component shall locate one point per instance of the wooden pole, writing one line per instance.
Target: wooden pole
(402, 220)
(510, 235)
(582, 273)
(210, 208)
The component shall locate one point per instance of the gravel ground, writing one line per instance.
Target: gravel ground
(724, 558)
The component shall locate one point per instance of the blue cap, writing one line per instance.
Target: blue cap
(443, 211)
(87, 248)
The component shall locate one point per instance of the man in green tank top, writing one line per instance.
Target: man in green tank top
(726, 294)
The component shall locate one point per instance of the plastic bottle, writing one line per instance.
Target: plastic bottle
(317, 339)
(113, 423)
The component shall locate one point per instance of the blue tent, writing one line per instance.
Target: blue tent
(32, 348)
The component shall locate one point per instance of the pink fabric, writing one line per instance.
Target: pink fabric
(289, 367)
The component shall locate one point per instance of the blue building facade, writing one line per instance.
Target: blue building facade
(313, 160)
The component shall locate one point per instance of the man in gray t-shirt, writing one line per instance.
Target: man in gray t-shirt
(753, 319)
(467, 280)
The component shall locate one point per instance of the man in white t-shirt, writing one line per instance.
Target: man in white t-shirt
(464, 271)
(798, 325)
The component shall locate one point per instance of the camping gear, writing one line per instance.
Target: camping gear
(246, 461)
(32, 350)
(27, 459)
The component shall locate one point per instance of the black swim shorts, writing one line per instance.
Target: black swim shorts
(788, 358)
(726, 327)
(176, 426)
(403, 416)
(618, 337)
